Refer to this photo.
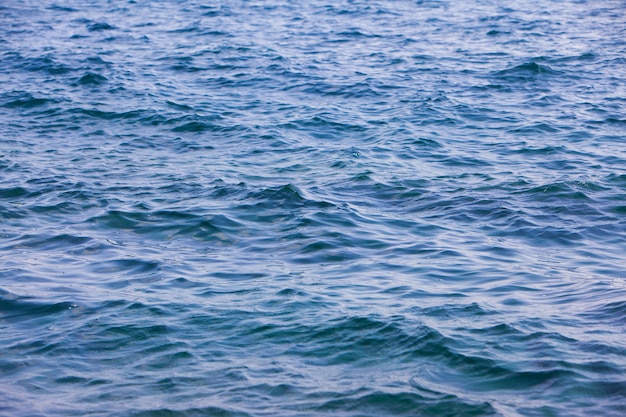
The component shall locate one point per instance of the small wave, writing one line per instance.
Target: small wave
(286, 197)
(91, 78)
(219, 229)
(138, 114)
(99, 26)
(613, 313)
(25, 100)
(528, 71)
(13, 192)
(23, 309)
(556, 191)
(325, 126)
(584, 57)
(46, 242)
(47, 63)
(137, 268)
(406, 404)
(186, 412)
(56, 7)
(535, 129)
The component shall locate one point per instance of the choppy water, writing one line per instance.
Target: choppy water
(343, 208)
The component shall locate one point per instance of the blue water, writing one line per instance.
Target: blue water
(321, 208)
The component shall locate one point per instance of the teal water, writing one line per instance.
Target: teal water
(341, 208)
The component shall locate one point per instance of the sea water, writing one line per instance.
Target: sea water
(340, 208)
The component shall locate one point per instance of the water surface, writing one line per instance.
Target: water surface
(343, 208)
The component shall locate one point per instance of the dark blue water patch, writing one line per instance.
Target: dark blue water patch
(406, 404)
(56, 7)
(530, 72)
(144, 114)
(19, 309)
(11, 212)
(196, 411)
(12, 192)
(46, 63)
(92, 79)
(196, 124)
(25, 100)
(99, 26)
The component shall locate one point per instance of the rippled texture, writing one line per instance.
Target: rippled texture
(346, 208)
